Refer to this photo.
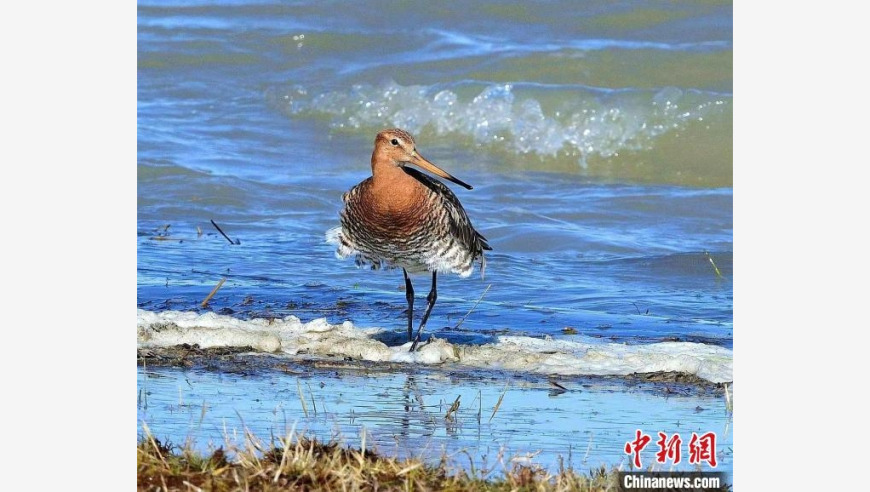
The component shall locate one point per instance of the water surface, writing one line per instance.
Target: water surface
(597, 137)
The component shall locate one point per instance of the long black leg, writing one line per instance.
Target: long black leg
(409, 296)
(432, 297)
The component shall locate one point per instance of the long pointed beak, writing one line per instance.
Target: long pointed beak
(420, 161)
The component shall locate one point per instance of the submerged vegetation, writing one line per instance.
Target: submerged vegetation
(299, 463)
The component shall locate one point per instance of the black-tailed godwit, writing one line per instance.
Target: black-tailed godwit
(400, 217)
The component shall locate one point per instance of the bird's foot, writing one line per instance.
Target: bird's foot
(416, 342)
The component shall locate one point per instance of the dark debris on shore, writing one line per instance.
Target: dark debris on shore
(245, 360)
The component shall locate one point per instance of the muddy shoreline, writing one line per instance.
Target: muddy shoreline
(247, 361)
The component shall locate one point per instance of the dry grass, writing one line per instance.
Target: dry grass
(299, 463)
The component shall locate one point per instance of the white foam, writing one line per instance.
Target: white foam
(578, 356)
(587, 122)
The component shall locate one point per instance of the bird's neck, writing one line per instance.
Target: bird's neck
(393, 188)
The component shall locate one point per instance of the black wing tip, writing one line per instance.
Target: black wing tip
(484, 242)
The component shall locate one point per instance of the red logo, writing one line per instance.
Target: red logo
(669, 449)
(637, 446)
(701, 448)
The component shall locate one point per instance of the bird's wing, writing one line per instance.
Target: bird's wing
(460, 224)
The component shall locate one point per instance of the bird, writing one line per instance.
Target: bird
(400, 217)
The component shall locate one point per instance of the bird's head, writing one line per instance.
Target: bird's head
(397, 147)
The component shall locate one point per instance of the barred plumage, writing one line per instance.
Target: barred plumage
(401, 217)
(445, 242)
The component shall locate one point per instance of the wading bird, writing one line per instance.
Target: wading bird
(402, 218)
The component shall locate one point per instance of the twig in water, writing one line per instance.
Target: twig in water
(715, 268)
(212, 293)
(472, 307)
(498, 403)
(312, 398)
(480, 407)
(302, 398)
(145, 383)
(202, 414)
(224, 234)
(453, 408)
(554, 383)
(588, 448)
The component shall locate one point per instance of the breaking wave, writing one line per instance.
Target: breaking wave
(543, 121)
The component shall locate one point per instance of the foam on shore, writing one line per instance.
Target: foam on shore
(291, 336)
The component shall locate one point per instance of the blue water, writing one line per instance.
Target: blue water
(621, 261)
(402, 414)
(597, 138)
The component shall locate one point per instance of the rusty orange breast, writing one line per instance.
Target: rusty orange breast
(395, 207)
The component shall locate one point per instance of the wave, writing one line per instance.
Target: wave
(290, 336)
(586, 123)
(519, 121)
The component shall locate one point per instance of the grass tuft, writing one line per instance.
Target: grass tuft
(299, 463)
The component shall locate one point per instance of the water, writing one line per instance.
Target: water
(402, 414)
(597, 138)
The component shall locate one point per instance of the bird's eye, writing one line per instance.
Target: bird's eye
(394, 142)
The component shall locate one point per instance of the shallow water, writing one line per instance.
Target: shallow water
(624, 262)
(597, 138)
(404, 415)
